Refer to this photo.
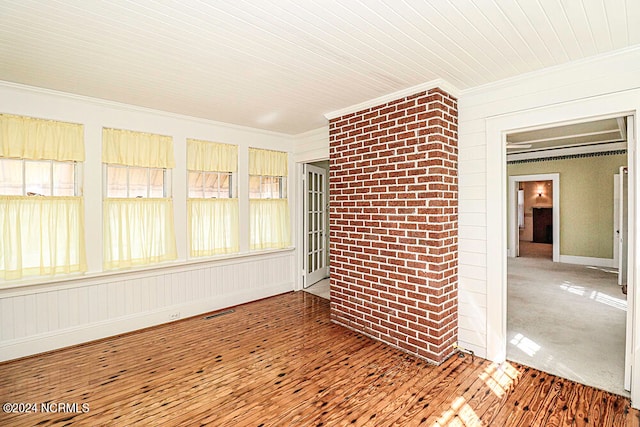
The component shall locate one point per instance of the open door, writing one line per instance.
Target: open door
(627, 199)
(315, 215)
(623, 224)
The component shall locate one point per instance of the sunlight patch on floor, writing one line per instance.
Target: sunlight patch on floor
(528, 346)
(614, 302)
(499, 377)
(460, 414)
(577, 290)
(619, 303)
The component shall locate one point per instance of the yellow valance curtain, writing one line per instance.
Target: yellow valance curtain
(38, 139)
(125, 147)
(211, 156)
(213, 226)
(138, 232)
(41, 236)
(267, 162)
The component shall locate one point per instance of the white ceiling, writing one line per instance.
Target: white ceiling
(281, 64)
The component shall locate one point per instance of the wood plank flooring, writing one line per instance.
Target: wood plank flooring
(281, 362)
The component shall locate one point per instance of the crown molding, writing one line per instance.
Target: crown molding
(320, 132)
(524, 77)
(438, 83)
(568, 152)
(131, 107)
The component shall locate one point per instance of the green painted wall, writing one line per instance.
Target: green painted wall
(586, 201)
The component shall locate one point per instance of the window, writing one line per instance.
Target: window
(268, 203)
(41, 208)
(267, 187)
(212, 207)
(138, 210)
(38, 178)
(135, 182)
(210, 185)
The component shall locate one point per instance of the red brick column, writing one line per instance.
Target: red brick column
(394, 223)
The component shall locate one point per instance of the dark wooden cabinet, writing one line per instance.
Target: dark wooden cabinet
(543, 225)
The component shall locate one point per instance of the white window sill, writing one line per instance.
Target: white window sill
(35, 284)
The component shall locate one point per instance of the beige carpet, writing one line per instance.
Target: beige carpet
(567, 320)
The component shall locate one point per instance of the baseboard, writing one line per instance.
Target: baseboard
(584, 260)
(28, 346)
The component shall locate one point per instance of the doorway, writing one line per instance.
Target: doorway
(315, 223)
(563, 300)
(534, 214)
(610, 105)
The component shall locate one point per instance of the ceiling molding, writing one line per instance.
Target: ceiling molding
(549, 70)
(560, 152)
(130, 107)
(319, 132)
(423, 87)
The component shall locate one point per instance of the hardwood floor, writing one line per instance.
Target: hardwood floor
(281, 362)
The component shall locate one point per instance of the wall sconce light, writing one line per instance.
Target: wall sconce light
(539, 194)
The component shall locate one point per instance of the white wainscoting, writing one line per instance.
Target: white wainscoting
(35, 319)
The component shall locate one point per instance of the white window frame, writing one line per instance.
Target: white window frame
(166, 180)
(232, 182)
(282, 183)
(77, 175)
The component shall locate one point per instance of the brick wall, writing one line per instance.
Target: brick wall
(394, 223)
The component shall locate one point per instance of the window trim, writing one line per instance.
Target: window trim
(232, 182)
(281, 187)
(77, 175)
(166, 181)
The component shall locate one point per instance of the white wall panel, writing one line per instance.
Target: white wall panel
(472, 232)
(475, 259)
(478, 165)
(468, 284)
(472, 219)
(471, 245)
(611, 73)
(472, 205)
(472, 190)
(473, 153)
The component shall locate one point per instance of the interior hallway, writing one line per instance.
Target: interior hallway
(566, 319)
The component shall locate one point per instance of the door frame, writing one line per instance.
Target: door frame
(612, 105)
(513, 211)
(301, 160)
(310, 278)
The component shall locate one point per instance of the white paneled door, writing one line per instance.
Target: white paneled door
(315, 224)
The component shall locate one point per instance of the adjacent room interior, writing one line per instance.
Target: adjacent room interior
(568, 317)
